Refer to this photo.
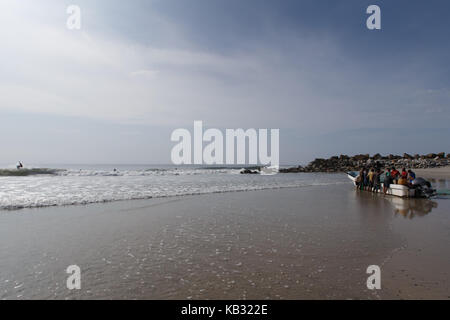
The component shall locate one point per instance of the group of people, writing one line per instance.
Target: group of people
(371, 179)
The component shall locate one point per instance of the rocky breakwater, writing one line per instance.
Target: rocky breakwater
(345, 163)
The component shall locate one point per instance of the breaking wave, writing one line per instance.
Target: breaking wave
(32, 188)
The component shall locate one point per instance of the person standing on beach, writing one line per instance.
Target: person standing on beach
(394, 175)
(387, 182)
(364, 179)
(359, 179)
(370, 176)
(404, 173)
(376, 180)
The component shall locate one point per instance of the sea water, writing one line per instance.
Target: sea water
(42, 186)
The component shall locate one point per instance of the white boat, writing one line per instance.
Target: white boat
(394, 189)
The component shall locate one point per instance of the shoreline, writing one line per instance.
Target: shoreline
(434, 174)
(162, 197)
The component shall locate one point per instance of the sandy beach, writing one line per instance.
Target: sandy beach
(297, 243)
(434, 173)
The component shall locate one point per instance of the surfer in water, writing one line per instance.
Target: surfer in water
(19, 165)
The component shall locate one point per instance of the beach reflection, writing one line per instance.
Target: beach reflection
(440, 183)
(408, 208)
(411, 208)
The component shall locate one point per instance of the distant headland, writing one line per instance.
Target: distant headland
(345, 163)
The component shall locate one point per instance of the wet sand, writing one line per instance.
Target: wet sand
(300, 243)
(434, 173)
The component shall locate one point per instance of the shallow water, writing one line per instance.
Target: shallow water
(311, 242)
(74, 185)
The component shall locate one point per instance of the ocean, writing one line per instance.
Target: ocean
(43, 186)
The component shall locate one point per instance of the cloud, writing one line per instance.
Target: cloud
(49, 69)
(291, 80)
(144, 73)
(295, 79)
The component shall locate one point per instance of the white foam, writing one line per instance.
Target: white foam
(72, 187)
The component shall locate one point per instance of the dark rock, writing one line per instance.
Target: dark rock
(407, 156)
(248, 171)
(377, 156)
(292, 170)
(345, 163)
(361, 157)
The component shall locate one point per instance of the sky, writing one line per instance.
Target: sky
(113, 91)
